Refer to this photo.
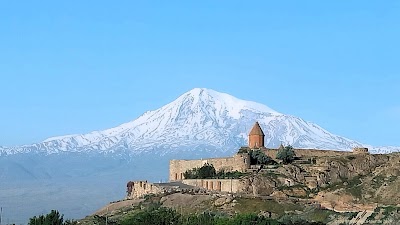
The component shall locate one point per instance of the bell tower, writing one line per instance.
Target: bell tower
(256, 137)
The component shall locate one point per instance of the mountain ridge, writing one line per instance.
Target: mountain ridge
(198, 119)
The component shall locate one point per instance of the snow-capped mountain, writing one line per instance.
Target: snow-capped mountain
(201, 119)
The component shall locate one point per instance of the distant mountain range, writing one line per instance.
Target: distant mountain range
(199, 120)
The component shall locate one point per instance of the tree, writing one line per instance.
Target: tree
(207, 171)
(157, 216)
(204, 172)
(286, 154)
(258, 157)
(53, 218)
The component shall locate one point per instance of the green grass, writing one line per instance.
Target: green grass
(390, 210)
(256, 205)
(312, 214)
(353, 186)
(320, 215)
(387, 212)
(355, 191)
(377, 181)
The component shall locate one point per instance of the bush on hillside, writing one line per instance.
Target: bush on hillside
(164, 216)
(258, 157)
(53, 218)
(286, 154)
(207, 171)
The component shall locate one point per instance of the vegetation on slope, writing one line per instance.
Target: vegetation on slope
(207, 171)
(286, 154)
(52, 218)
(164, 216)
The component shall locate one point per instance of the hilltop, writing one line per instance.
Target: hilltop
(321, 186)
(361, 188)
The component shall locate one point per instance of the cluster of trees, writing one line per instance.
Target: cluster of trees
(53, 218)
(207, 171)
(258, 157)
(164, 216)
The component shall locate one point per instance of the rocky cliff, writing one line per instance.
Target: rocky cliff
(348, 182)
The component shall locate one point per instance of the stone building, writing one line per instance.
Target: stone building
(239, 162)
(219, 185)
(256, 137)
(139, 189)
(359, 150)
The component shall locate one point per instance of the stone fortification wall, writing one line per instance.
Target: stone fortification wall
(223, 185)
(239, 162)
(309, 153)
(360, 150)
(138, 189)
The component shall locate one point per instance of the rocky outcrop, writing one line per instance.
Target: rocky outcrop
(293, 172)
(363, 178)
(339, 169)
(259, 185)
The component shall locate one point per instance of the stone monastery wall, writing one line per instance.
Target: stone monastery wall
(309, 153)
(239, 162)
(138, 189)
(223, 185)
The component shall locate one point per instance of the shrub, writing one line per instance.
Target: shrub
(258, 157)
(231, 175)
(204, 172)
(53, 218)
(286, 154)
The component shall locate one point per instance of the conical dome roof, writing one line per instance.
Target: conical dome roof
(256, 130)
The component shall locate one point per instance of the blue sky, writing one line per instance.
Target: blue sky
(77, 66)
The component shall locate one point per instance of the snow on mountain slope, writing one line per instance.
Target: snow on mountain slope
(201, 119)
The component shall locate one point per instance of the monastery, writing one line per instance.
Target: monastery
(239, 162)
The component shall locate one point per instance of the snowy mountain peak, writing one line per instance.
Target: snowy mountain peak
(222, 101)
(199, 120)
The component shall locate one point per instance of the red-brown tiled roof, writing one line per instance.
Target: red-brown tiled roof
(256, 130)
